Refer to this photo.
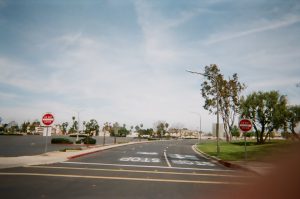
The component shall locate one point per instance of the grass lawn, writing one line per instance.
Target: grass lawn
(235, 150)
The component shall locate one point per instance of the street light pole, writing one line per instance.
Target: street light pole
(217, 129)
(200, 131)
(217, 88)
(78, 126)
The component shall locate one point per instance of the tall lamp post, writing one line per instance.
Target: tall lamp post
(217, 88)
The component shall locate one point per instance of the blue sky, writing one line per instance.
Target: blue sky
(125, 60)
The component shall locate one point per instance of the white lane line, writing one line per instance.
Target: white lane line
(146, 166)
(165, 154)
(138, 171)
(147, 153)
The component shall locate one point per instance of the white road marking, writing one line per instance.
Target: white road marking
(147, 153)
(140, 159)
(146, 166)
(188, 162)
(178, 156)
(138, 171)
(165, 154)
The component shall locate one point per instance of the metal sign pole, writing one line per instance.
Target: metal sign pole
(46, 145)
(245, 146)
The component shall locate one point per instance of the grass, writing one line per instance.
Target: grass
(235, 150)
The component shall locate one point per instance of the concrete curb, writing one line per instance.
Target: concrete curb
(223, 162)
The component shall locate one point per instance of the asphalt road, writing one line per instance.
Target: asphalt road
(162, 169)
(12, 146)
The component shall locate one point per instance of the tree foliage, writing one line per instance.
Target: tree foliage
(235, 131)
(226, 93)
(91, 127)
(64, 127)
(25, 126)
(74, 127)
(293, 118)
(161, 128)
(267, 112)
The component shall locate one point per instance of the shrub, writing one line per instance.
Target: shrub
(87, 140)
(150, 139)
(61, 141)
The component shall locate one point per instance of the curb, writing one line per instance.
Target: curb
(223, 162)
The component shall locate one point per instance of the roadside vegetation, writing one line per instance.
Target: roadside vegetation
(235, 150)
(61, 141)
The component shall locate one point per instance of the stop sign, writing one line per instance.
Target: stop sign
(245, 125)
(48, 119)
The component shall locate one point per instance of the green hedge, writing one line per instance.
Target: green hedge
(61, 141)
(79, 135)
(87, 140)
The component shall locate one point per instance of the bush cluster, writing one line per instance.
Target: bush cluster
(87, 140)
(61, 141)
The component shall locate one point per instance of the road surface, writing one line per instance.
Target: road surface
(161, 169)
(13, 146)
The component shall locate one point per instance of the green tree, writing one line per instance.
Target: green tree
(293, 118)
(137, 128)
(148, 132)
(91, 127)
(226, 93)
(167, 126)
(74, 127)
(123, 132)
(116, 128)
(25, 126)
(34, 124)
(161, 128)
(266, 110)
(64, 127)
(235, 131)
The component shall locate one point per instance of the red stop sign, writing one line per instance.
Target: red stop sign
(48, 119)
(245, 125)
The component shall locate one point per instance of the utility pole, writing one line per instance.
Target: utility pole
(217, 88)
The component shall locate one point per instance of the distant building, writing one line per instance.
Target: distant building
(38, 130)
(56, 130)
(133, 134)
(182, 133)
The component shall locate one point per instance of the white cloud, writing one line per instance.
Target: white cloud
(266, 26)
(110, 77)
(105, 82)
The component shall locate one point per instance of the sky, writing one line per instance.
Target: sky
(124, 60)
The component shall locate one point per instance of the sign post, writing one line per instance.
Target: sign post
(47, 120)
(245, 125)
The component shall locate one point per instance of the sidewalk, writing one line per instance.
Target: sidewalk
(259, 168)
(54, 157)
